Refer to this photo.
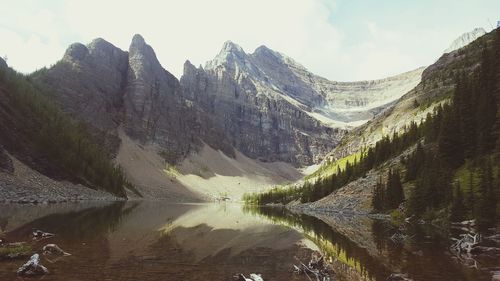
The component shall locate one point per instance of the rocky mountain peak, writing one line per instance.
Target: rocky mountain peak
(465, 39)
(143, 61)
(107, 54)
(138, 47)
(264, 51)
(231, 54)
(100, 43)
(76, 52)
(138, 40)
(150, 89)
(3, 64)
(231, 47)
(189, 67)
(190, 70)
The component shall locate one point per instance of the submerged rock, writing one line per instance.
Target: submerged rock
(32, 267)
(495, 276)
(253, 277)
(398, 277)
(53, 249)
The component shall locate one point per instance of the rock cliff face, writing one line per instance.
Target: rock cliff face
(334, 103)
(3, 64)
(109, 88)
(465, 39)
(263, 104)
(260, 121)
(89, 81)
(273, 109)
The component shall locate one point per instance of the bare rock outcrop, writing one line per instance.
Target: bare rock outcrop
(260, 121)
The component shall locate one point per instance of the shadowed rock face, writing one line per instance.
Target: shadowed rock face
(89, 81)
(259, 123)
(3, 64)
(156, 110)
(109, 88)
(151, 92)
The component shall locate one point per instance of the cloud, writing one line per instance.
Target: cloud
(35, 45)
(196, 30)
(29, 53)
(337, 39)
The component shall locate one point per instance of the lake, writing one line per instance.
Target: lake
(141, 240)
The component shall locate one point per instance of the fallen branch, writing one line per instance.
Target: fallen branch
(399, 277)
(253, 277)
(317, 267)
(465, 243)
(39, 235)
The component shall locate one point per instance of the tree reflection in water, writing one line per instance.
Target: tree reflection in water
(423, 255)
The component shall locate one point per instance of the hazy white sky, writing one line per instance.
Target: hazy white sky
(339, 39)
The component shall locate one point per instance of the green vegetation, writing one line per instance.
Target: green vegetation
(34, 129)
(455, 167)
(457, 170)
(372, 157)
(390, 195)
(15, 250)
(330, 168)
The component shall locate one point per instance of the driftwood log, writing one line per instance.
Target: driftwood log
(253, 277)
(317, 268)
(398, 237)
(39, 235)
(465, 243)
(398, 277)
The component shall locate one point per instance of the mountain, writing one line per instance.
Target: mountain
(426, 149)
(436, 87)
(114, 90)
(274, 109)
(260, 121)
(46, 156)
(465, 39)
(245, 119)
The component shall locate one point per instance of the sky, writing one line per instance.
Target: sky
(342, 40)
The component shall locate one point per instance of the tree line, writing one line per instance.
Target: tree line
(372, 157)
(462, 134)
(465, 140)
(51, 141)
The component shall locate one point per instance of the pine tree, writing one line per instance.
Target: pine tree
(417, 203)
(395, 193)
(415, 163)
(471, 202)
(487, 107)
(450, 148)
(458, 208)
(486, 209)
(378, 197)
(463, 102)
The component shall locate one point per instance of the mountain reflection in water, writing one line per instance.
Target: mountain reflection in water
(160, 241)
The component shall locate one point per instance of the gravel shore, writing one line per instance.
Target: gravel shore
(24, 185)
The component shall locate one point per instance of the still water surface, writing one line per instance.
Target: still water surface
(160, 241)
